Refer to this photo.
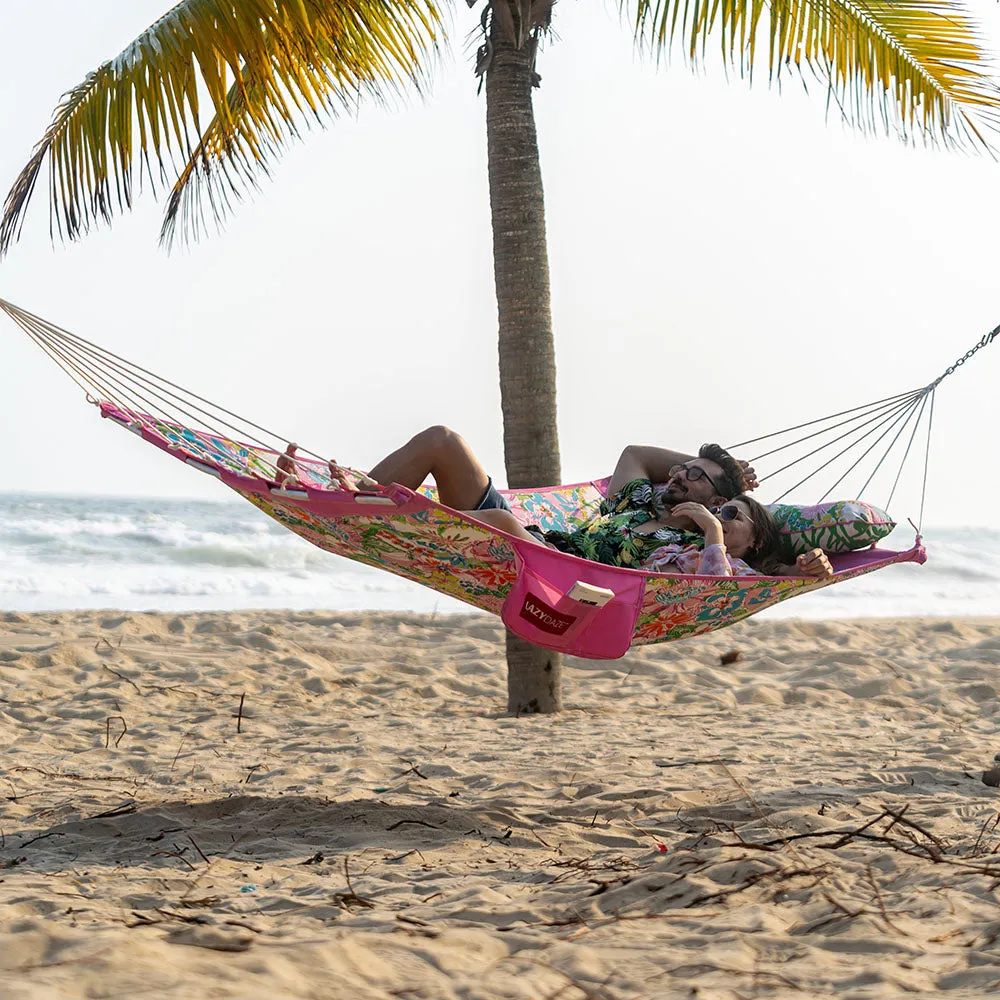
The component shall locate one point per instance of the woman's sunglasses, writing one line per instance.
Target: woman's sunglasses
(730, 512)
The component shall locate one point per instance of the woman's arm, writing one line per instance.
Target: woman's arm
(713, 561)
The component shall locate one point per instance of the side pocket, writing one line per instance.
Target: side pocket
(540, 610)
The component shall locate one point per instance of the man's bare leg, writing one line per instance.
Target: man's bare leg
(443, 454)
(505, 521)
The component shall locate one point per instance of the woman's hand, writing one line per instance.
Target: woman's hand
(814, 563)
(710, 525)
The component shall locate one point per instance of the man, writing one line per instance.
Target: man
(710, 478)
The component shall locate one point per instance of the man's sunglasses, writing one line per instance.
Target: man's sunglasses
(692, 473)
(730, 512)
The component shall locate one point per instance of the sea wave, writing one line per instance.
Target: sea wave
(61, 552)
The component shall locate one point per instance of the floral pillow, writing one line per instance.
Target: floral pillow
(834, 527)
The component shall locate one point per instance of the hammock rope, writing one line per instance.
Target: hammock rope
(880, 419)
(102, 374)
(901, 419)
(906, 453)
(550, 598)
(887, 414)
(818, 420)
(881, 406)
(927, 458)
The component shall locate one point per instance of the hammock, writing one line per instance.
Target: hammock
(550, 598)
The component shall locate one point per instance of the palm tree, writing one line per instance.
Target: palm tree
(913, 68)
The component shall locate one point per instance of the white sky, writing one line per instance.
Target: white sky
(725, 262)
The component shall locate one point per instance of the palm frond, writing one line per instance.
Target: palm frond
(235, 149)
(917, 68)
(265, 67)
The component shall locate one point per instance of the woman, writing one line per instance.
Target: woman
(737, 537)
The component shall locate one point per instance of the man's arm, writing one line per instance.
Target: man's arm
(639, 461)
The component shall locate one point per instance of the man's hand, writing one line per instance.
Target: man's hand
(749, 476)
(814, 563)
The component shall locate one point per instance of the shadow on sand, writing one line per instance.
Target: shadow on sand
(250, 828)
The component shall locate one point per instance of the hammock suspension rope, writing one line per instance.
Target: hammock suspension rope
(885, 415)
(102, 374)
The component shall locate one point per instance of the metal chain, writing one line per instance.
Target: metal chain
(985, 342)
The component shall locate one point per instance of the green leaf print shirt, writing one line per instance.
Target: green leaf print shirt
(610, 536)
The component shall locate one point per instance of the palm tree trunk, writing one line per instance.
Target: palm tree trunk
(527, 352)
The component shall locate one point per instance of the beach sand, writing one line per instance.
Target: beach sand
(372, 825)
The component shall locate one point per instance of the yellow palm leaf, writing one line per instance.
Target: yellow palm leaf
(913, 66)
(238, 144)
(265, 66)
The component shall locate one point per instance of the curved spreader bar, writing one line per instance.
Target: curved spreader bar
(550, 598)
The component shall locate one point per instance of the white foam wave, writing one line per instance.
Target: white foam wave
(62, 552)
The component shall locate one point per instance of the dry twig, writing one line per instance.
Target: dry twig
(120, 676)
(107, 730)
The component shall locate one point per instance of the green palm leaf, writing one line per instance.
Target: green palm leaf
(913, 66)
(264, 65)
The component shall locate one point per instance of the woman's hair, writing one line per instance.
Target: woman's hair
(733, 481)
(763, 554)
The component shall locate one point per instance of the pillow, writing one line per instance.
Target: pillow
(833, 527)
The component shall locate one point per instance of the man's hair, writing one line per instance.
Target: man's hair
(763, 554)
(732, 480)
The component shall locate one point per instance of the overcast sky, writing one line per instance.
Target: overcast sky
(725, 261)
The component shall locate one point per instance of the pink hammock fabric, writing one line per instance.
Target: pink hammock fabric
(408, 533)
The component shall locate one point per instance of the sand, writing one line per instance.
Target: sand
(808, 821)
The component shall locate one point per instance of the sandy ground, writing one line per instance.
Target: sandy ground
(808, 821)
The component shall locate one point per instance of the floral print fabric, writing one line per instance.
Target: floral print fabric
(843, 526)
(439, 548)
(612, 536)
(712, 560)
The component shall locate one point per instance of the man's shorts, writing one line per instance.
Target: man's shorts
(492, 499)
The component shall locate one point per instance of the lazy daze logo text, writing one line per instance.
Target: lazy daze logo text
(544, 617)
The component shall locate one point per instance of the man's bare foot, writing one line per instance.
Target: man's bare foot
(288, 471)
(338, 477)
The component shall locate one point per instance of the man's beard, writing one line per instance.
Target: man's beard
(674, 494)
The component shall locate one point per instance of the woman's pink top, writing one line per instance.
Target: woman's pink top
(712, 560)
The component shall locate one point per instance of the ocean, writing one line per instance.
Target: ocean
(67, 552)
